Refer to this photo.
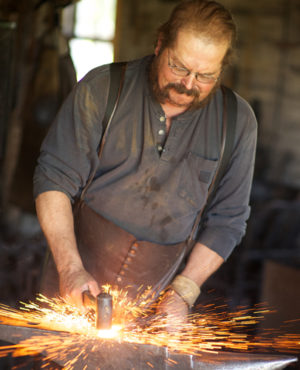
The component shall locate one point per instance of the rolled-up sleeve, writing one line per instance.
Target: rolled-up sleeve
(69, 151)
(225, 222)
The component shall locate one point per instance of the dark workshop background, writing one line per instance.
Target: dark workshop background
(36, 74)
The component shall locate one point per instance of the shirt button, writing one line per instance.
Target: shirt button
(182, 193)
(162, 119)
(161, 132)
(119, 279)
(159, 147)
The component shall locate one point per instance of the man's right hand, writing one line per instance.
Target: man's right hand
(54, 211)
(73, 283)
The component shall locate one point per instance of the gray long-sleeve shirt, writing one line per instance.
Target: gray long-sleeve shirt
(153, 194)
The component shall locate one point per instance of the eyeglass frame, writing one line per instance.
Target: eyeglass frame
(186, 72)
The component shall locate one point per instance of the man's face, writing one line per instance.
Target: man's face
(186, 75)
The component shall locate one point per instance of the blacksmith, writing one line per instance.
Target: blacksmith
(160, 156)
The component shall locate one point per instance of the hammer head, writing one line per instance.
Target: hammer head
(102, 305)
(104, 311)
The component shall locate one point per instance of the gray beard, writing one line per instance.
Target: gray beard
(162, 94)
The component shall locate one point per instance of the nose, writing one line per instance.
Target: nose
(188, 81)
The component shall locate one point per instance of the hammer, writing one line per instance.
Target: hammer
(102, 305)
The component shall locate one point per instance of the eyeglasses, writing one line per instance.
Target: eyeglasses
(184, 72)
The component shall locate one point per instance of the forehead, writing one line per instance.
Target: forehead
(198, 51)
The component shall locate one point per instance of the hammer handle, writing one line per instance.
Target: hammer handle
(89, 300)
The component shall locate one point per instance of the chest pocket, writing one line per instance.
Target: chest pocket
(196, 176)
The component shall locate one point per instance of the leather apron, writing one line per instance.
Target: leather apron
(113, 256)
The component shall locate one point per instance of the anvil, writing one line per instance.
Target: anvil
(112, 354)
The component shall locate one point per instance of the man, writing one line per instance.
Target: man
(159, 158)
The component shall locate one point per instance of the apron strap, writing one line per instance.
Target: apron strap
(228, 135)
(117, 74)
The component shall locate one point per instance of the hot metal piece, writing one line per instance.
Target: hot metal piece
(112, 354)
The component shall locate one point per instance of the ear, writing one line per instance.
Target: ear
(158, 46)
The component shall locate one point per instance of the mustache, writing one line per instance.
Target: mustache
(181, 89)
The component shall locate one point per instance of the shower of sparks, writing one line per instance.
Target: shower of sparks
(69, 329)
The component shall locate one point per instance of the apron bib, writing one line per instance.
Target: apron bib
(115, 257)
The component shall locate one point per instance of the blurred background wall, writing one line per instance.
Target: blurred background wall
(47, 45)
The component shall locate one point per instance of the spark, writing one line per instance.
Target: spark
(110, 333)
(212, 329)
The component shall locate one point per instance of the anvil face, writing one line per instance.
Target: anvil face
(112, 354)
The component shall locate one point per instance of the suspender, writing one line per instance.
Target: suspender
(228, 135)
(117, 73)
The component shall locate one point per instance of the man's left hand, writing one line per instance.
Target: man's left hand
(174, 309)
